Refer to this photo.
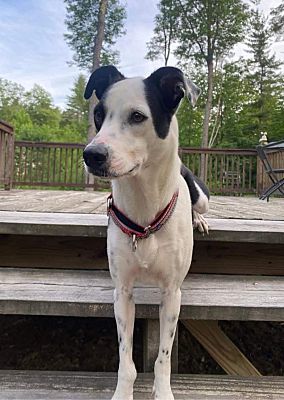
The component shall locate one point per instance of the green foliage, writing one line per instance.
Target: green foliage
(34, 116)
(81, 22)
(277, 20)
(209, 29)
(164, 32)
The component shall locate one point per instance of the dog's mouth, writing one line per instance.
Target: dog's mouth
(110, 174)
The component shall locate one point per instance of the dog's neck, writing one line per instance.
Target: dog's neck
(143, 196)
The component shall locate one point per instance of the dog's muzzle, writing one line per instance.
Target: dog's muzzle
(96, 157)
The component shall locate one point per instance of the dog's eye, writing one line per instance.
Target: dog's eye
(98, 117)
(137, 117)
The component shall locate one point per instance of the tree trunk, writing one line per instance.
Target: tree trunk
(98, 43)
(205, 133)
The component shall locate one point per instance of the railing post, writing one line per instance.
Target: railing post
(6, 154)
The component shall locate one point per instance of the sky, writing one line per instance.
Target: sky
(33, 49)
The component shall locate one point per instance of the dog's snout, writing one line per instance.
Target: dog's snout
(95, 156)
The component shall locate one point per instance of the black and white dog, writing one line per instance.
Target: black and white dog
(150, 236)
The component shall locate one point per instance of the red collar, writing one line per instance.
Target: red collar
(134, 230)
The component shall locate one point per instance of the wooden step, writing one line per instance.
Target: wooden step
(95, 225)
(90, 294)
(35, 385)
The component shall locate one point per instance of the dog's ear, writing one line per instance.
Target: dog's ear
(101, 79)
(173, 86)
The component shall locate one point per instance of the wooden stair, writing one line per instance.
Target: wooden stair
(90, 294)
(35, 385)
(46, 268)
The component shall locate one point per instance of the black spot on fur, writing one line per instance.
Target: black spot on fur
(161, 117)
(172, 333)
(99, 115)
(101, 79)
(164, 89)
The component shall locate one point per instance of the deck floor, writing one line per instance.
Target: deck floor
(95, 202)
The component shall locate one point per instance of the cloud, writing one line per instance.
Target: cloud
(33, 50)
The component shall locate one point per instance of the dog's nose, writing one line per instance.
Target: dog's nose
(95, 156)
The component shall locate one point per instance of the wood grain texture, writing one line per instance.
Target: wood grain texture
(90, 253)
(90, 293)
(237, 258)
(34, 385)
(95, 225)
(70, 201)
(53, 252)
(221, 348)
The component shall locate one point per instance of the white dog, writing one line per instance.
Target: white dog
(150, 236)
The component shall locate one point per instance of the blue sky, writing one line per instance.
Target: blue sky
(33, 50)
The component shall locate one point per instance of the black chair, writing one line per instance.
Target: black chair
(275, 174)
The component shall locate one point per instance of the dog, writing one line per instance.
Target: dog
(154, 202)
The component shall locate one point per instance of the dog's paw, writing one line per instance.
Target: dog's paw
(121, 396)
(200, 223)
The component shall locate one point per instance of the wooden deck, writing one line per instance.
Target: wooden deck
(59, 201)
(35, 385)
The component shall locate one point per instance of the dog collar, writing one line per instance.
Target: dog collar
(138, 232)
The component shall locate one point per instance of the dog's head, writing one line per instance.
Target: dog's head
(132, 118)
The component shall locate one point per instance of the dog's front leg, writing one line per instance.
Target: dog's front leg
(169, 313)
(124, 309)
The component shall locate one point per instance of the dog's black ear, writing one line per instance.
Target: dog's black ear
(173, 86)
(101, 79)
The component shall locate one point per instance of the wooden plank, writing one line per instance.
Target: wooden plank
(237, 258)
(247, 231)
(53, 252)
(90, 253)
(221, 348)
(45, 385)
(229, 207)
(53, 224)
(90, 293)
(95, 225)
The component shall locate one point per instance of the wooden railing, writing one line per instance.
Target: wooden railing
(51, 164)
(60, 165)
(229, 171)
(6, 154)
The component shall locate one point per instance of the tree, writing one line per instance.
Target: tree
(39, 105)
(164, 32)
(77, 108)
(277, 20)
(207, 32)
(94, 26)
(263, 68)
(75, 117)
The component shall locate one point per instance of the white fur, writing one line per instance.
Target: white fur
(164, 258)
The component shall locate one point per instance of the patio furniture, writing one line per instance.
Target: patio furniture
(276, 175)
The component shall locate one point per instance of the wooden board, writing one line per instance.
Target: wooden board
(90, 253)
(53, 252)
(95, 225)
(90, 293)
(237, 258)
(221, 348)
(34, 385)
(71, 201)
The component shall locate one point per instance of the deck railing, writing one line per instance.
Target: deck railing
(229, 171)
(6, 154)
(60, 165)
